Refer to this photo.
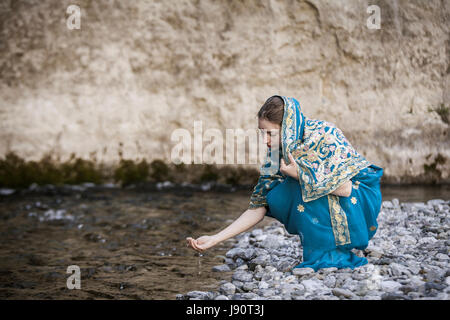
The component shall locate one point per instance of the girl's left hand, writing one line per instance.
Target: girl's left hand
(291, 169)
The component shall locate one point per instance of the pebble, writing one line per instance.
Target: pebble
(242, 276)
(221, 268)
(302, 271)
(227, 288)
(394, 296)
(390, 286)
(342, 292)
(408, 259)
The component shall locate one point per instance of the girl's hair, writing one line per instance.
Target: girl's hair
(272, 110)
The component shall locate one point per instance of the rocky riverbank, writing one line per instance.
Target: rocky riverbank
(408, 259)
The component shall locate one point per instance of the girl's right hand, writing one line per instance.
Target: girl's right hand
(201, 244)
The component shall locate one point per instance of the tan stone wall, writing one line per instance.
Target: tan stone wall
(137, 70)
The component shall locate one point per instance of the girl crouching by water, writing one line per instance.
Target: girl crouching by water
(321, 189)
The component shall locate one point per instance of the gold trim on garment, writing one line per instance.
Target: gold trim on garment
(338, 221)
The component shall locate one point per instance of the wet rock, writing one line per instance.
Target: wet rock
(6, 191)
(221, 268)
(202, 295)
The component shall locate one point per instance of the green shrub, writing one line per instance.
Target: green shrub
(160, 171)
(128, 172)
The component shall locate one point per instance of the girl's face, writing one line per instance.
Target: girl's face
(270, 132)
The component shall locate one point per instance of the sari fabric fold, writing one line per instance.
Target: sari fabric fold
(329, 226)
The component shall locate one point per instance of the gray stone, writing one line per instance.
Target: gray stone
(243, 276)
(447, 281)
(250, 296)
(395, 202)
(263, 260)
(435, 202)
(313, 286)
(242, 267)
(288, 288)
(390, 286)
(338, 292)
(201, 295)
(239, 261)
(272, 242)
(285, 264)
(394, 296)
(302, 271)
(350, 284)
(221, 297)
(270, 269)
(398, 269)
(360, 276)
(387, 205)
(329, 281)
(227, 288)
(407, 289)
(266, 292)
(328, 270)
(234, 253)
(247, 254)
(441, 256)
(256, 232)
(263, 285)
(221, 268)
(249, 286)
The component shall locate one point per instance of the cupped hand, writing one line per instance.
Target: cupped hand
(290, 169)
(201, 244)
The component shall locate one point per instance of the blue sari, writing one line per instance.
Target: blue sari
(329, 226)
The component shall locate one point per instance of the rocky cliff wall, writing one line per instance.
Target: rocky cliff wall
(137, 70)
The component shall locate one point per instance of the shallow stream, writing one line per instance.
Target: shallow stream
(128, 243)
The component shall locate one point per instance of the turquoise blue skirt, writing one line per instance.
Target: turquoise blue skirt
(311, 220)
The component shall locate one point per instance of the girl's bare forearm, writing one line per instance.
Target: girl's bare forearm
(345, 190)
(248, 219)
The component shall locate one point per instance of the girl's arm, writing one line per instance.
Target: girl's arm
(246, 220)
(345, 190)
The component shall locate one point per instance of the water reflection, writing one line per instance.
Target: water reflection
(415, 193)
